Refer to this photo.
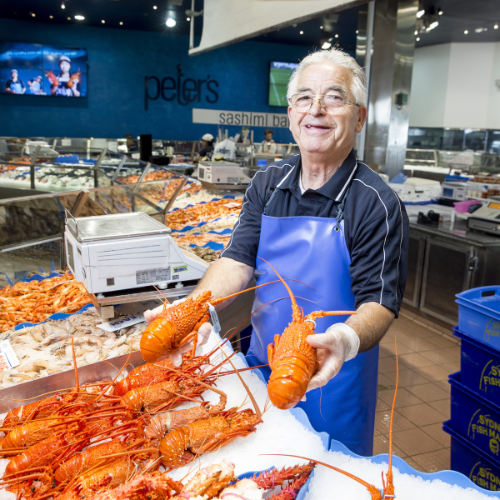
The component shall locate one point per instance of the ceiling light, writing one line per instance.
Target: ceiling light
(357, 31)
(301, 32)
(69, 18)
(416, 32)
(336, 36)
(433, 25)
(52, 17)
(155, 7)
(321, 27)
(32, 14)
(170, 22)
(440, 12)
(63, 6)
(420, 13)
(418, 39)
(121, 23)
(103, 21)
(188, 19)
(79, 17)
(480, 30)
(326, 45)
(495, 27)
(466, 32)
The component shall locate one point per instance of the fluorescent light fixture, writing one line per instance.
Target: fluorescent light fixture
(433, 25)
(420, 13)
(78, 17)
(480, 30)
(326, 45)
(170, 22)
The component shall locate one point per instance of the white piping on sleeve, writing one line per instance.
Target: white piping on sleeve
(249, 186)
(385, 239)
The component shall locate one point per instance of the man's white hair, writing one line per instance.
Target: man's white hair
(339, 58)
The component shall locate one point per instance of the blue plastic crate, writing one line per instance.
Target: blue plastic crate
(479, 314)
(475, 418)
(480, 367)
(469, 460)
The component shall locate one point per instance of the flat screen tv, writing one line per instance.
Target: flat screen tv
(279, 75)
(42, 70)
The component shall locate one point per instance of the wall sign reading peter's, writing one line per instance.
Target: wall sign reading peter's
(184, 91)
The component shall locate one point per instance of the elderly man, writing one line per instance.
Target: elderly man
(325, 219)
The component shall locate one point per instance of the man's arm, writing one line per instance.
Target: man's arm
(370, 323)
(224, 277)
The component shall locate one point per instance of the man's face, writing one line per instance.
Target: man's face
(269, 137)
(13, 76)
(38, 79)
(65, 66)
(319, 131)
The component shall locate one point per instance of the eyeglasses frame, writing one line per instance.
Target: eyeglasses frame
(319, 98)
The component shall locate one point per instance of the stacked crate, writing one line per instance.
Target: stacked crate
(475, 390)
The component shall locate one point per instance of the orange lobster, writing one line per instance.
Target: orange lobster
(74, 79)
(292, 360)
(388, 483)
(52, 78)
(179, 324)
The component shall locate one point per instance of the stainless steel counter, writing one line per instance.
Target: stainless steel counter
(445, 260)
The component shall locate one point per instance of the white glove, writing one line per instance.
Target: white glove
(338, 344)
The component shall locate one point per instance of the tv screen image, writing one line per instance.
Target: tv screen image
(279, 76)
(32, 69)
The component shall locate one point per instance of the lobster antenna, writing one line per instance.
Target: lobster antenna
(295, 308)
(160, 292)
(390, 485)
(254, 402)
(114, 380)
(220, 299)
(218, 391)
(320, 314)
(375, 493)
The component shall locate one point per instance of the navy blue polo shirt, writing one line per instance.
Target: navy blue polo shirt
(375, 223)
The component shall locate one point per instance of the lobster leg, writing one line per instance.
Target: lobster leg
(194, 335)
(270, 355)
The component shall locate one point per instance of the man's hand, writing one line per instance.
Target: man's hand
(338, 344)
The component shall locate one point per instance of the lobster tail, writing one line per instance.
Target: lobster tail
(157, 339)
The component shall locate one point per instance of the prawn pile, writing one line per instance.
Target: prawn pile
(45, 349)
(35, 301)
(191, 216)
(81, 442)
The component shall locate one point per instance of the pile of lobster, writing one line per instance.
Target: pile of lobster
(75, 444)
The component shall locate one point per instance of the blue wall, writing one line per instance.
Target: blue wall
(119, 61)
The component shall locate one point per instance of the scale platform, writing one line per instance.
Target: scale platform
(121, 255)
(486, 218)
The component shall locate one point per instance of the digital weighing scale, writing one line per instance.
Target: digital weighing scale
(222, 175)
(120, 258)
(486, 218)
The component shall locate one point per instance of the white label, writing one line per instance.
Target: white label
(215, 318)
(8, 358)
(232, 205)
(152, 276)
(124, 322)
(65, 142)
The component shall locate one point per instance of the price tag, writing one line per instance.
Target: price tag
(123, 322)
(214, 318)
(8, 358)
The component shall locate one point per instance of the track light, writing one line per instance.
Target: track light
(63, 6)
(79, 18)
(170, 22)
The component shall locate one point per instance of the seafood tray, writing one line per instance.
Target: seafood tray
(12, 397)
(480, 367)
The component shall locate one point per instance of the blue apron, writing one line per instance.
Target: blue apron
(314, 250)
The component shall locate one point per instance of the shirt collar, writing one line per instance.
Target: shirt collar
(333, 189)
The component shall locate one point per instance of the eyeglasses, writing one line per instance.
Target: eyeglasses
(328, 101)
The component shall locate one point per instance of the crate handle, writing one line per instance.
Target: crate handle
(488, 293)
